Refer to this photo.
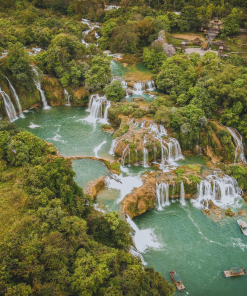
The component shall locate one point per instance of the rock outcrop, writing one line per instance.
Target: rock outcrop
(144, 198)
(95, 186)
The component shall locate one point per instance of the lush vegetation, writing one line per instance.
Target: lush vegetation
(52, 241)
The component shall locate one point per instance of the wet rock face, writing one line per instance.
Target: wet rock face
(144, 198)
(143, 142)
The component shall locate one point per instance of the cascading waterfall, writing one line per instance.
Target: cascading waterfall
(138, 88)
(95, 107)
(182, 193)
(68, 97)
(136, 155)
(37, 82)
(145, 157)
(150, 85)
(221, 190)
(166, 188)
(159, 195)
(125, 152)
(174, 150)
(10, 109)
(162, 194)
(239, 153)
(155, 152)
(108, 105)
(113, 146)
(16, 98)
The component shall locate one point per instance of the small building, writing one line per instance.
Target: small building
(221, 50)
(183, 45)
(215, 25)
(111, 7)
(197, 41)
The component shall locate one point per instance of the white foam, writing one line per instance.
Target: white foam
(32, 125)
(143, 238)
(124, 184)
(96, 149)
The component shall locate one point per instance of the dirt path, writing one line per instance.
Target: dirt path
(188, 36)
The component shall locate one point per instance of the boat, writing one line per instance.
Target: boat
(234, 271)
(243, 226)
(177, 280)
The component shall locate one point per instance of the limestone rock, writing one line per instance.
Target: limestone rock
(242, 212)
(95, 186)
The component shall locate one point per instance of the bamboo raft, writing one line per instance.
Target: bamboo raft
(234, 271)
(177, 280)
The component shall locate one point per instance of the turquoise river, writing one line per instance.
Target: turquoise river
(177, 238)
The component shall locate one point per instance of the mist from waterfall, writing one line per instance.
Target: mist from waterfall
(16, 98)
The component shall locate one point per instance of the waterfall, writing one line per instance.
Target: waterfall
(125, 152)
(113, 146)
(239, 153)
(136, 156)
(108, 105)
(145, 157)
(16, 98)
(221, 190)
(155, 152)
(37, 82)
(150, 85)
(67, 96)
(174, 150)
(182, 194)
(162, 195)
(95, 107)
(163, 131)
(138, 88)
(166, 187)
(10, 109)
(159, 195)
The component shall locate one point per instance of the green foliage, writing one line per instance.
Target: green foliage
(176, 76)
(121, 131)
(99, 73)
(106, 126)
(17, 63)
(231, 24)
(62, 59)
(153, 59)
(114, 91)
(179, 172)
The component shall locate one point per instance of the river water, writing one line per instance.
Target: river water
(177, 238)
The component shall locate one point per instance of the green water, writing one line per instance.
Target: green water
(197, 248)
(64, 127)
(191, 243)
(193, 160)
(118, 69)
(88, 170)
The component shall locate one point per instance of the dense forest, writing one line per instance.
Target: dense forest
(52, 240)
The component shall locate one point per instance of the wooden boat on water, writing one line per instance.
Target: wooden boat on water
(177, 280)
(234, 271)
(243, 226)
